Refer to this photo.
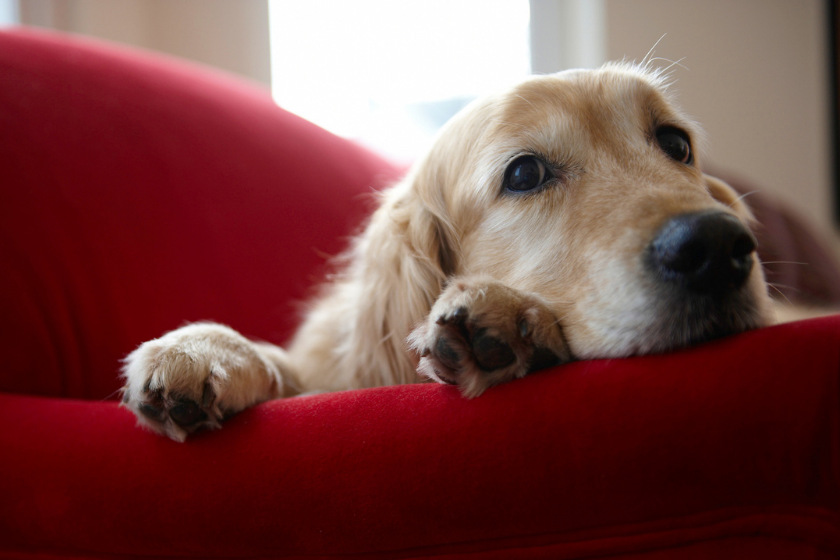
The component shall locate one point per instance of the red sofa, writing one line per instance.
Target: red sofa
(138, 193)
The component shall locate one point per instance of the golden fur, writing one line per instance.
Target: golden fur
(449, 264)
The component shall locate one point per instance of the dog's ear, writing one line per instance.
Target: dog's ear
(399, 266)
(725, 194)
(414, 235)
(431, 236)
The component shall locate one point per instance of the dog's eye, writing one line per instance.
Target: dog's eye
(674, 142)
(526, 174)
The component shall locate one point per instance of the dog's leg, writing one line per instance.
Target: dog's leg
(481, 333)
(198, 375)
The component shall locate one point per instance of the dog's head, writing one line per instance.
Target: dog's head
(586, 188)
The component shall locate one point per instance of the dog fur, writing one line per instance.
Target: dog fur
(472, 284)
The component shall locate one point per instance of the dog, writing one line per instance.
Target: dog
(567, 218)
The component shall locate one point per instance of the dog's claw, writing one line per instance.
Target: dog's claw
(456, 317)
(460, 314)
(208, 396)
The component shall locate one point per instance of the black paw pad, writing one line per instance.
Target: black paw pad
(152, 412)
(187, 413)
(447, 355)
(154, 408)
(490, 352)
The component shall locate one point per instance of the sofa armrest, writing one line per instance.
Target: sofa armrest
(732, 442)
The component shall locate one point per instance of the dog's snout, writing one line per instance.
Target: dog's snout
(707, 252)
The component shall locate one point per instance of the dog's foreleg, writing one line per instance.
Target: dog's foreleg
(481, 333)
(196, 376)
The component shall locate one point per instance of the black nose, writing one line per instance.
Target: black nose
(707, 252)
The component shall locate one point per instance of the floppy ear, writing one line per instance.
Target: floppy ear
(422, 228)
(395, 272)
(725, 194)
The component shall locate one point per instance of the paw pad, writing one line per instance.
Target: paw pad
(482, 334)
(175, 415)
(491, 353)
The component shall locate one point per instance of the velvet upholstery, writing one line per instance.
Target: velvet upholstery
(139, 193)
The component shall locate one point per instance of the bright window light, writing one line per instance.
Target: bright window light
(388, 74)
(9, 13)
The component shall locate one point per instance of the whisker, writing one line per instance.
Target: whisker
(781, 294)
(785, 286)
(785, 262)
(743, 196)
(777, 286)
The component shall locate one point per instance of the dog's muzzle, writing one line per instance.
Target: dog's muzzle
(708, 252)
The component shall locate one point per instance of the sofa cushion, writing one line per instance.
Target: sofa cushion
(140, 193)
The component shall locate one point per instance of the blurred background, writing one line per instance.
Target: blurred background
(757, 74)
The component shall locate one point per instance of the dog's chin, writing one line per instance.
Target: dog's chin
(682, 321)
(670, 321)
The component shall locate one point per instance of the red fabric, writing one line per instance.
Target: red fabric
(731, 446)
(139, 193)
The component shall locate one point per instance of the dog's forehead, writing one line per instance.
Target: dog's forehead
(606, 99)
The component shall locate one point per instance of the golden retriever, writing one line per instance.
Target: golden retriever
(567, 218)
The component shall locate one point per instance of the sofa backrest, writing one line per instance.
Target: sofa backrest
(138, 193)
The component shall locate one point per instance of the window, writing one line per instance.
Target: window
(389, 74)
(9, 13)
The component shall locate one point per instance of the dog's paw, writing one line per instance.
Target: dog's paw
(195, 377)
(481, 333)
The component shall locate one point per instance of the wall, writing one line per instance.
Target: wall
(756, 78)
(756, 81)
(229, 34)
